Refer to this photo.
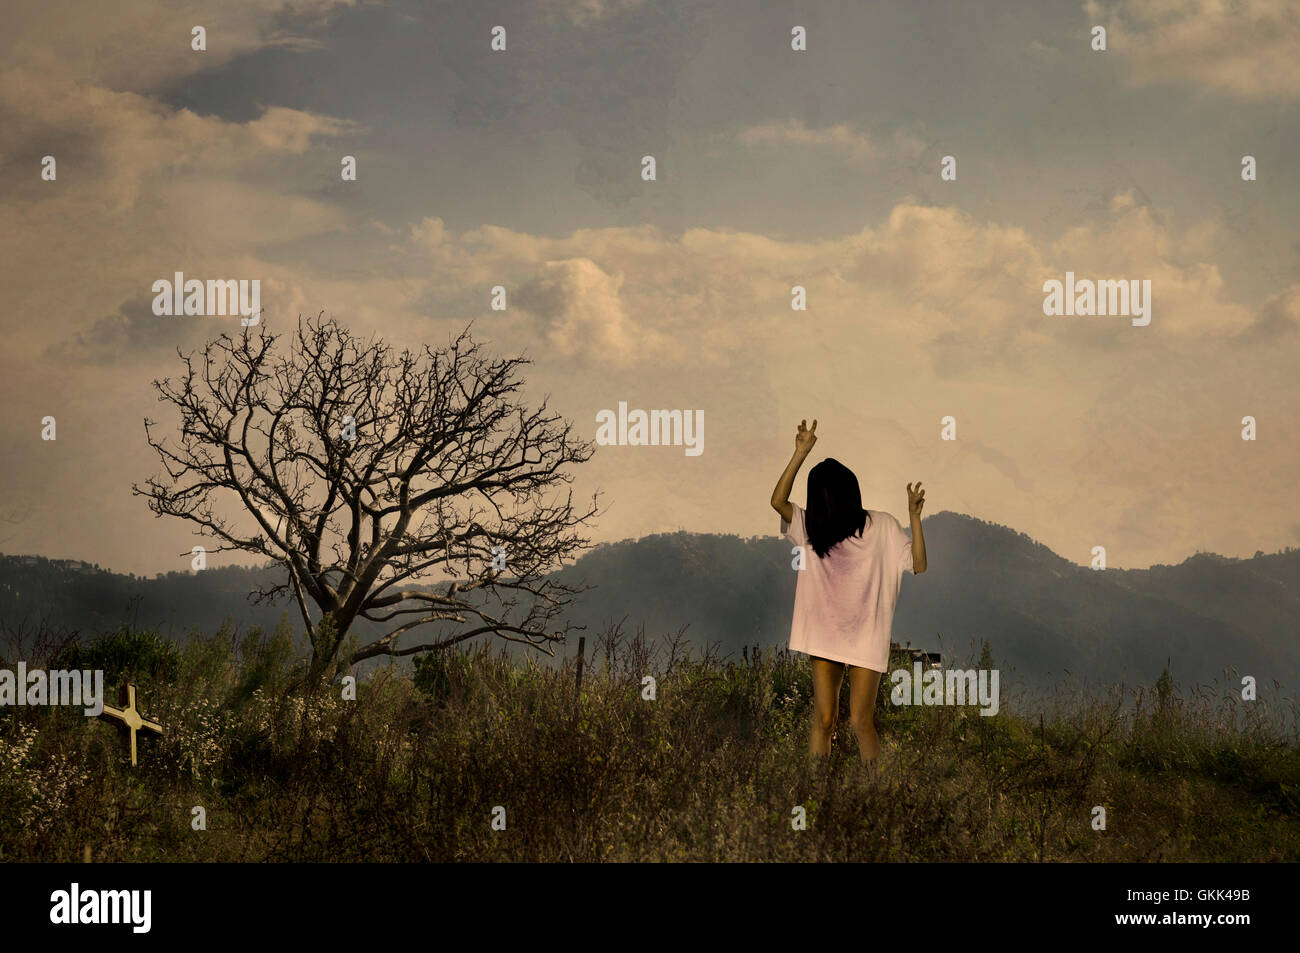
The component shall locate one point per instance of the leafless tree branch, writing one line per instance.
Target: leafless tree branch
(386, 484)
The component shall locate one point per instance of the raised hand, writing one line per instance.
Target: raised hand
(806, 437)
(915, 499)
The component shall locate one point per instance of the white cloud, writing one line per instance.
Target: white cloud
(138, 44)
(1249, 49)
(926, 275)
(125, 141)
(142, 191)
(1188, 291)
(586, 12)
(841, 137)
(583, 314)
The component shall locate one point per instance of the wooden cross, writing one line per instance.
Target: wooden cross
(130, 717)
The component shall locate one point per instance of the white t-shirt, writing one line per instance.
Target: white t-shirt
(844, 603)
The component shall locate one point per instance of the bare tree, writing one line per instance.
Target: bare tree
(364, 471)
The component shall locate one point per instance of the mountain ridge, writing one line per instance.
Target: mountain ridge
(1042, 614)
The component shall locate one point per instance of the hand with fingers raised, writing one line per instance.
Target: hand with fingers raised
(915, 499)
(805, 438)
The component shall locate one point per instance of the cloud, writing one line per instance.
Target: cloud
(841, 137)
(1278, 317)
(126, 141)
(583, 315)
(143, 191)
(1044, 52)
(130, 334)
(964, 291)
(1133, 241)
(137, 45)
(292, 131)
(586, 12)
(1246, 49)
(1000, 461)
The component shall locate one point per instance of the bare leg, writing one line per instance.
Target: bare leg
(863, 684)
(827, 677)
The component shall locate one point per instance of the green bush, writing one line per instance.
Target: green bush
(127, 654)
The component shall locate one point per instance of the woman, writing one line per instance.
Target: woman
(844, 599)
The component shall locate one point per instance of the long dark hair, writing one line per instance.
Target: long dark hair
(834, 510)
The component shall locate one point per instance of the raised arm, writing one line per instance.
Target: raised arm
(803, 444)
(916, 500)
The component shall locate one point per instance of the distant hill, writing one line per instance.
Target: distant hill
(1043, 615)
(68, 594)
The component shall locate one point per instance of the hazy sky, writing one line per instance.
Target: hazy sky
(775, 168)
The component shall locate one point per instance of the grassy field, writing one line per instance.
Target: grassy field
(711, 770)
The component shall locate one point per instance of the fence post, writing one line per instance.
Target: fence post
(582, 646)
